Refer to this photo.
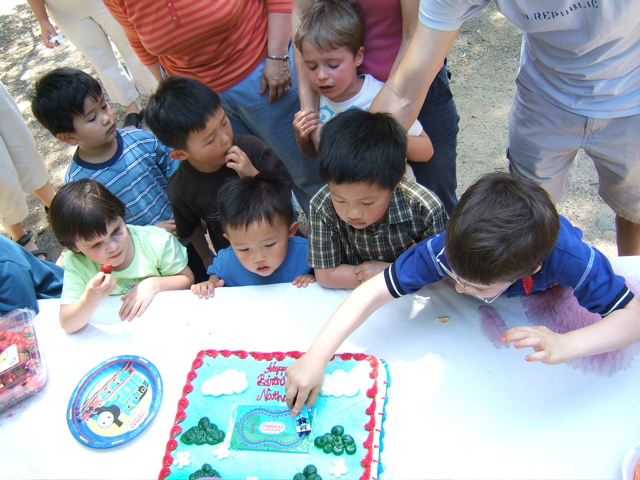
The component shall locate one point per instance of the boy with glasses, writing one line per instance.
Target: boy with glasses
(504, 236)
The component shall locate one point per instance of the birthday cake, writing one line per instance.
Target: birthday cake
(233, 423)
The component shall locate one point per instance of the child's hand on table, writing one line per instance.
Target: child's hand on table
(302, 281)
(237, 160)
(304, 382)
(369, 269)
(550, 347)
(136, 300)
(206, 289)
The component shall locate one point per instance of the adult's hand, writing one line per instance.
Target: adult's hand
(46, 29)
(276, 76)
(404, 92)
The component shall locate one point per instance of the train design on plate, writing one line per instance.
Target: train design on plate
(121, 393)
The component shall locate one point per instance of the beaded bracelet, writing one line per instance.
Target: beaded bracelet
(274, 57)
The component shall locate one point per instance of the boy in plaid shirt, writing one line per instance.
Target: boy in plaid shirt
(367, 214)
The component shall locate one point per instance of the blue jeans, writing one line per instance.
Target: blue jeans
(439, 120)
(250, 113)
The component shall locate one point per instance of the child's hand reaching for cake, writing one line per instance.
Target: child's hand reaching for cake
(304, 382)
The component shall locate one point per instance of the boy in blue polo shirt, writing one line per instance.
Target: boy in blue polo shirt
(256, 215)
(504, 236)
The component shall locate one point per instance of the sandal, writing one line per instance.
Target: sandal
(24, 240)
(133, 120)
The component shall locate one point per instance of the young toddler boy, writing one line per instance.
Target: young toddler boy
(257, 216)
(131, 163)
(368, 214)
(330, 36)
(109, 257)
(187, 116)
(504, 236)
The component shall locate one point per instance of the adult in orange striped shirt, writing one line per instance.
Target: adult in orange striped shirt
(241, 49)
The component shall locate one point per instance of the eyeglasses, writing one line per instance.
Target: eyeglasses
(466, 287)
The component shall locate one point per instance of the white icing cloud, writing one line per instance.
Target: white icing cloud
(182, 460)
(339, 468)
(231, 381)
(340, 383)
(221, 452)
(252, 478)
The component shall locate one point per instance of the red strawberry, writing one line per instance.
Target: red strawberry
(106, 268)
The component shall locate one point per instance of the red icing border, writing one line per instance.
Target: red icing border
(183, 403)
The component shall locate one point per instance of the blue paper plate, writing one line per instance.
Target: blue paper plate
(115, 401)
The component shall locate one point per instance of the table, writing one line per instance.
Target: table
(459, 406)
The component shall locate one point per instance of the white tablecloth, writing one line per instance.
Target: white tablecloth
(459, 406)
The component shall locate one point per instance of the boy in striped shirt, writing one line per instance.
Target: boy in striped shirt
(131, 163)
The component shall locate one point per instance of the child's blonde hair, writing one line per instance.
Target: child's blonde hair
(331, 24)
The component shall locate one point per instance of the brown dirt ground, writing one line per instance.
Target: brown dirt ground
(483, 60)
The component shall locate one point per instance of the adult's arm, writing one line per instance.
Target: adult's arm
(410, 10)
(404, 92)
(46, 29)
(276, 75)
(156, 71)
(309, 98)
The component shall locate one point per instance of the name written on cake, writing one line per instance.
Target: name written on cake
(273, 376)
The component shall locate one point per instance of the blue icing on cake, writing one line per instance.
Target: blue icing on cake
(232, 421)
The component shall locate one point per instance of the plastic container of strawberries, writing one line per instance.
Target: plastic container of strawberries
(22, 372)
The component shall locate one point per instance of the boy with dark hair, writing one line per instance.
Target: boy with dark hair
(368, 214)
(329, 36)
(187, 116)
(131, 163)
(504, 236)
(108, 257)
(257, 216)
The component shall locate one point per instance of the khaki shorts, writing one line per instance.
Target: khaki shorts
(22, 169)
(544, 140)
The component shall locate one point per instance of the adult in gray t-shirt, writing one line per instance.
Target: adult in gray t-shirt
(578, 87)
